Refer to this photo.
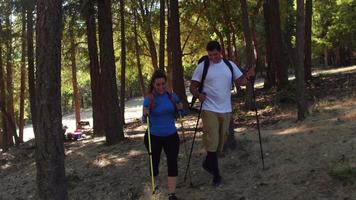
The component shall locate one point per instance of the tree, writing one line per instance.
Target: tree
(113, 126)
(301, 101)
(88, 12)
(30, 61)
(162, 26)
(137, 54)
(51, 181)
(23, 73)
(308, 33)
(270, 80)
(123, 60)
(251, 62)
(145, 22)
(275, 35)
(72, 50)
(176, 52)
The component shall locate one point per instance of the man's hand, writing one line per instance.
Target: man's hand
(202, 97)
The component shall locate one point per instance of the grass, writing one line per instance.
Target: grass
(344, 172)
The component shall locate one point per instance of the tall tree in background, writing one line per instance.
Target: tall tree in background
(73, 47)
(176, 52)
(270, 80)
(162, 27)
(51, 181)
(308, 33)
(275, 35)
(9, 73)
(299, 71)
(137, 54)
(88, 12)
(4, 139)
(113, 126)
(251, 62)
(123, 60)
(145, 6)
(30, 61)
(23, 72)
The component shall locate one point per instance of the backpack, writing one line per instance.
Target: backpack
(205, 72)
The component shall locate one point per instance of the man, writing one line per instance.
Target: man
(216, 106)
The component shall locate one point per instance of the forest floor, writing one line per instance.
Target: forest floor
(311, 159)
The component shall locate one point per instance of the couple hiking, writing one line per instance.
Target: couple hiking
(217, 74)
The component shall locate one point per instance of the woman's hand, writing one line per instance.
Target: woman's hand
(145, 111)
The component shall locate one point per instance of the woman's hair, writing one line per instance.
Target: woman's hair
(156, 74)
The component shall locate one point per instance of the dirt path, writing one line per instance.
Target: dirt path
(304, 160)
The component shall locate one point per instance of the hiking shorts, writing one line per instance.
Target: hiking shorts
(215, 130)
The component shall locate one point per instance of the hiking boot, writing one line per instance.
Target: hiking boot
(207, 168)
(172, 197)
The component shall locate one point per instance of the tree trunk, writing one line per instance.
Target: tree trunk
(278, 59)
(175, 47)
(169, 50)
(30, 61)
(123, 61)
(308, 32)
(270, 80)
(23, 74)
(51, 180)
(249, 52)
(113, 126)
(300, 42)
(162, 27)
(137, 52)
(76, 95)
(4, 145)
(95, 75)
(9, 80)
(326, 63)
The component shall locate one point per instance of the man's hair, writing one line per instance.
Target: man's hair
(213, 45)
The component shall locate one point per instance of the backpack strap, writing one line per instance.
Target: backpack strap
(227, 62)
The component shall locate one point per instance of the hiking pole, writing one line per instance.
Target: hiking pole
(185, 145)
(258, 124)
(150, 155)
(191, 149)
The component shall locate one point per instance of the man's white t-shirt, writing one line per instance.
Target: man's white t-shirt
(217, 85)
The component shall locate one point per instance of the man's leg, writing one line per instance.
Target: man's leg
(211, 142)
(224, 122)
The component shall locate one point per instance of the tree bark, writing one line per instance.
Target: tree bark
(162, 27)
(169, 50)
(300, 42)
(51, 181)
(138, 61)
(176, 52)
(95, 75)
(76, 95)
(113, 126)
(308, 32)
(23, 74)
(4, 144)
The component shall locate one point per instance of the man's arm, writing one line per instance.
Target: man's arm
(244, 79)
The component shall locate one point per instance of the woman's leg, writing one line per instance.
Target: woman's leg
(156, 147)
(171, 148)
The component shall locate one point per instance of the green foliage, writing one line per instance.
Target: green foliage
(344, 172)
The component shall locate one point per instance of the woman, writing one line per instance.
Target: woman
(162, 106)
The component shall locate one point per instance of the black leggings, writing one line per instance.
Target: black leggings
(170, 145)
